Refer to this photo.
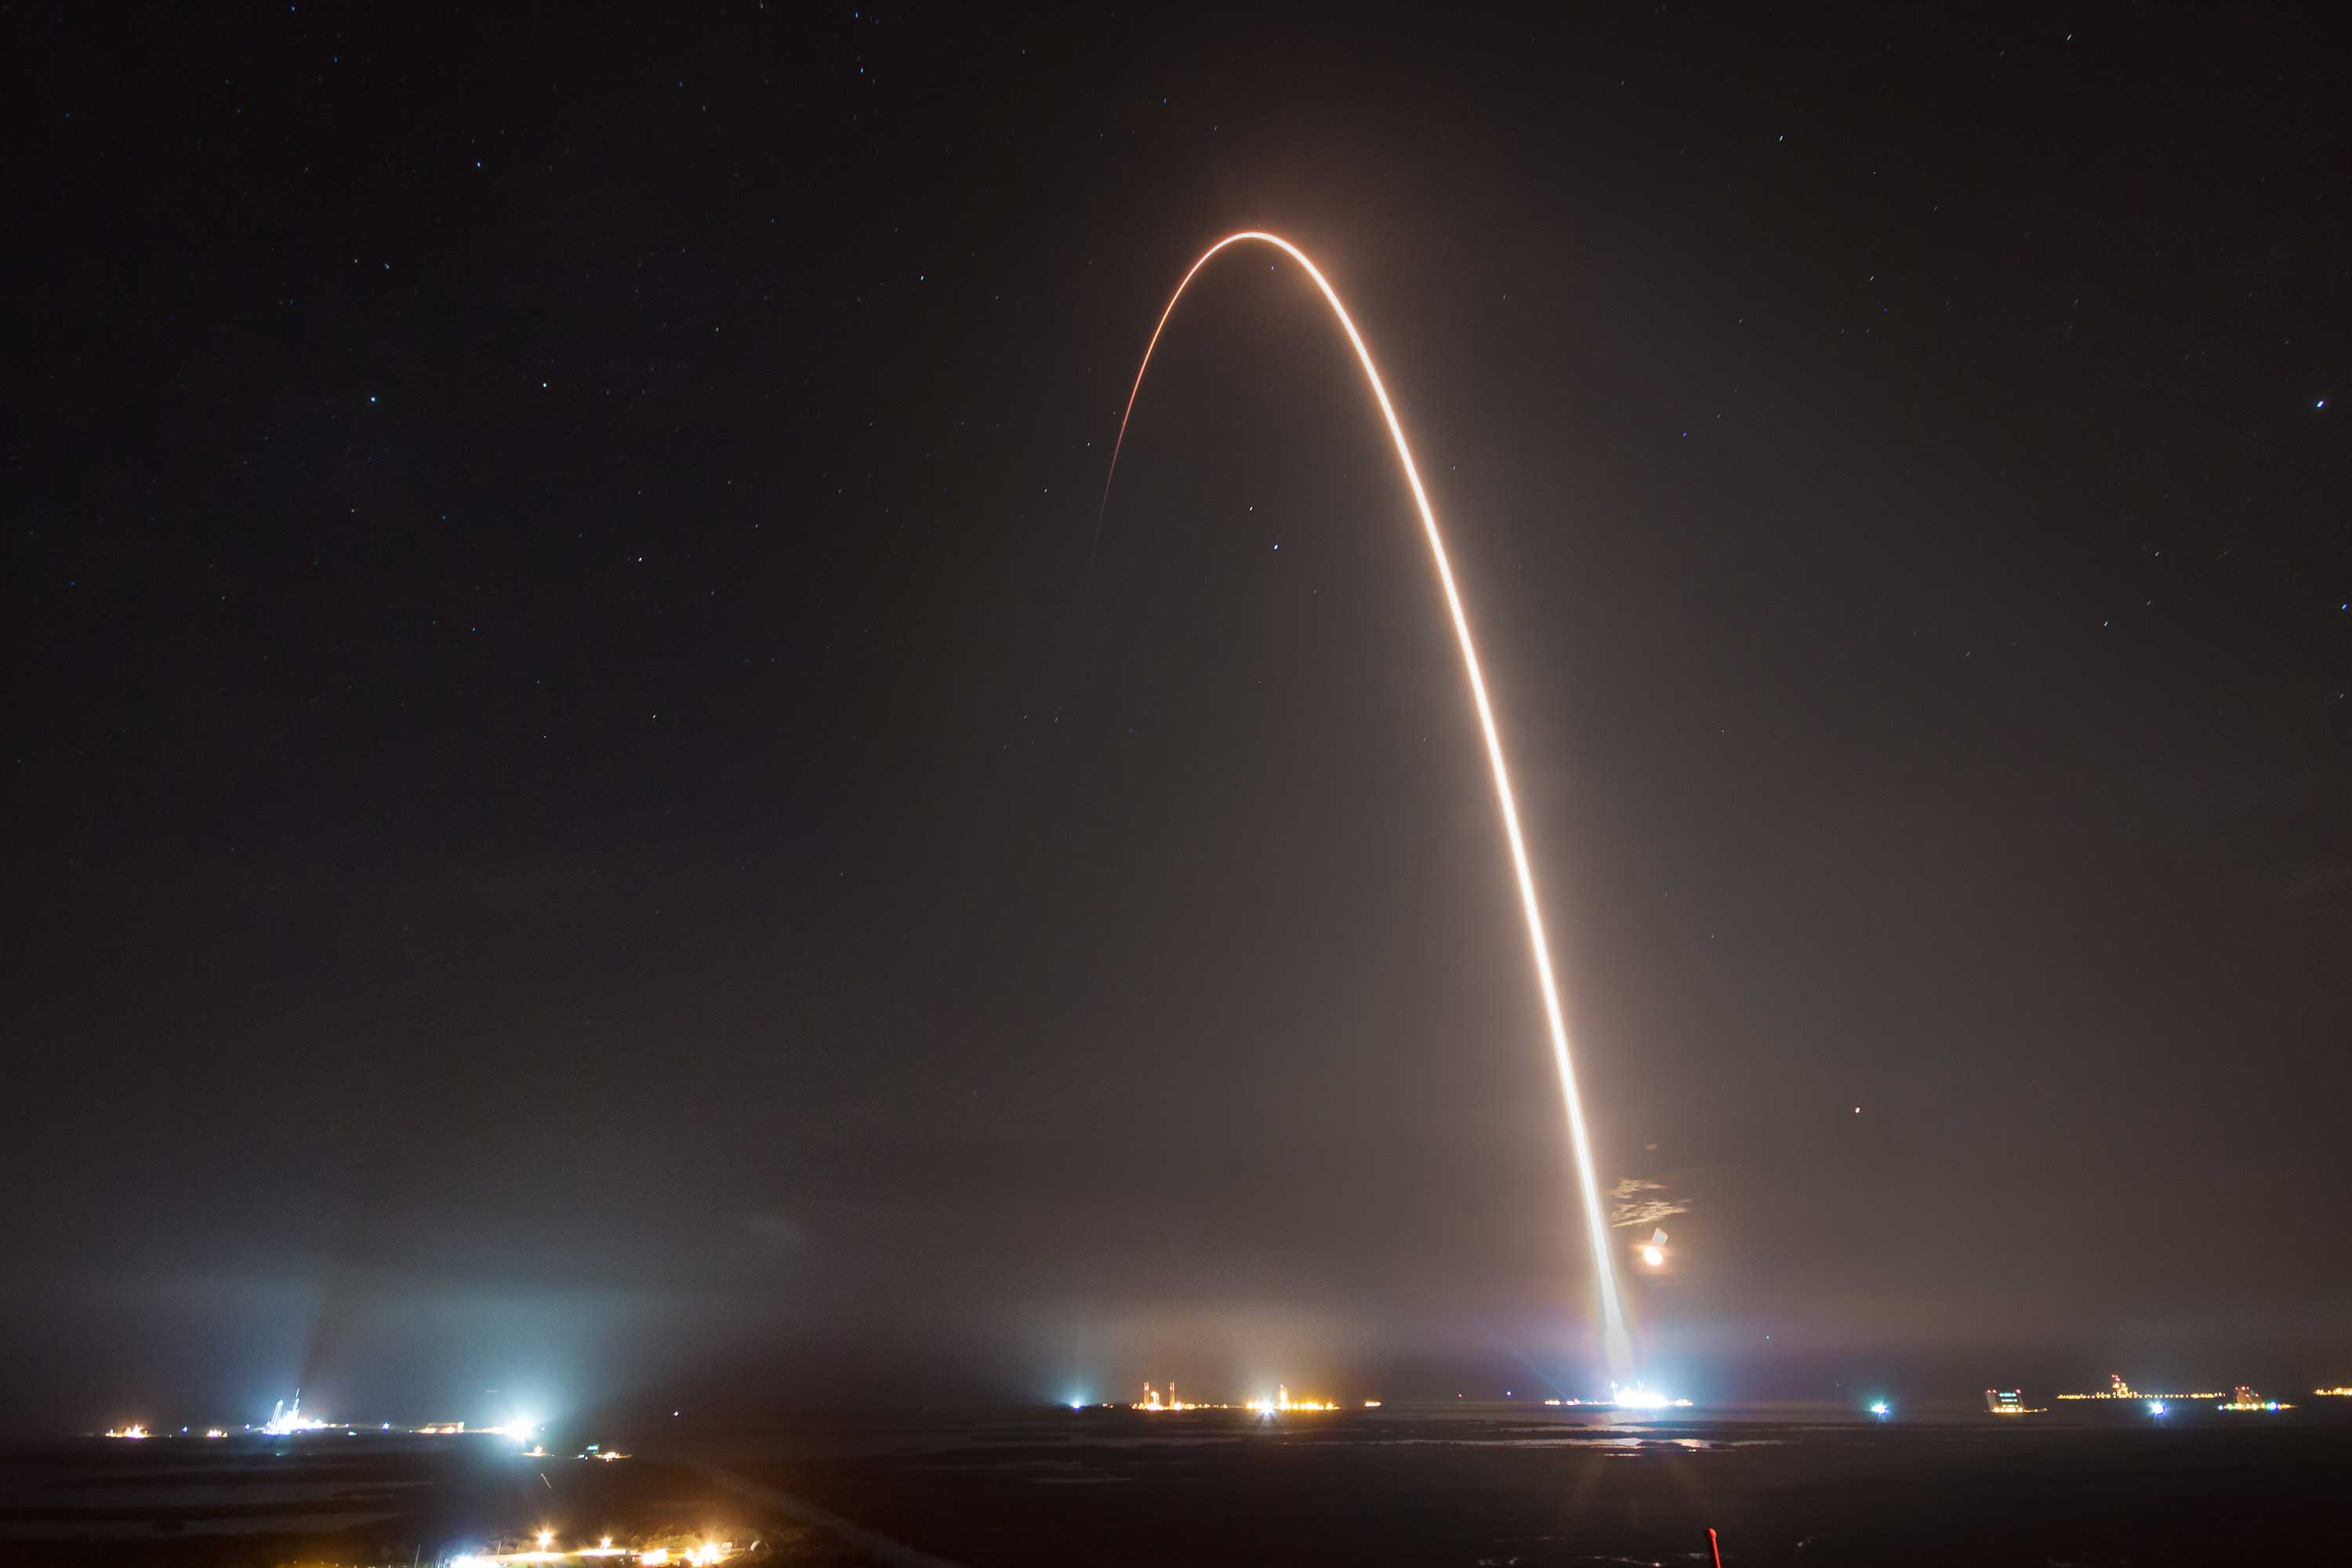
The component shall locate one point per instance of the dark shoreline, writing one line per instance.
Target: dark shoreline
(1397, 1486)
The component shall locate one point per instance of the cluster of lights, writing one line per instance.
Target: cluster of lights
(1280, 1403)
(2244, 1398)
(709, 1552)
(2009, 1402)
(1152, 1401)
(2119, 1389)
(2332, 1393)
(287, 1421)
(2239, 1398)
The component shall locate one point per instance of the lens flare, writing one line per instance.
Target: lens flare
(1616, 1343)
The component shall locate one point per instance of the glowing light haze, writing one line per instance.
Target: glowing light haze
(1617, 1344)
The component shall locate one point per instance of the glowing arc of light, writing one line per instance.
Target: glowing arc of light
(1617, 1345)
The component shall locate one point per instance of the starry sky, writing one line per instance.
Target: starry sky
(593, 813)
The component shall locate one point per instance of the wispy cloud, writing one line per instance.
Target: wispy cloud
(1630, 1203)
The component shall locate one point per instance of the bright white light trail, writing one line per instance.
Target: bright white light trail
(1617, 1345)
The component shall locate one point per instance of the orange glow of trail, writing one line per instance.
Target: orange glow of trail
(1616, 1343)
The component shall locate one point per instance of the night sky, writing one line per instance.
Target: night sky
(588, 813)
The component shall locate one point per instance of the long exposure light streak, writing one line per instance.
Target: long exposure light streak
(1617, 1346)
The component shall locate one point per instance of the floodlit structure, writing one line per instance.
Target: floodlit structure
(1617, 1345)
(2009, 1402)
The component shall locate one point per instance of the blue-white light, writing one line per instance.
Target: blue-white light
(1881, 1409)
(2156, 1407)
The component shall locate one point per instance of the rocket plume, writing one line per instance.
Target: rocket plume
(1616, 1343)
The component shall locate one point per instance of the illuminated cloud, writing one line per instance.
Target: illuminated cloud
(1628, 1206)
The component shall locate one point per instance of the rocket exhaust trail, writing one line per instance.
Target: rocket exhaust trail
(1617, 1345)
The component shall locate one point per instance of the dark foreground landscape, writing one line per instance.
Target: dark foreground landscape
(1492, 1486)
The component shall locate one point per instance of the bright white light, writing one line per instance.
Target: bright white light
(290, 1421)
(544, 1537)
(1881, 1409)
(2156, 1407)
(520, 1428)
(1641, 1398)
(1653, 1255)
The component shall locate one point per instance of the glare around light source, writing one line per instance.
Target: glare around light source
(285, 1421)
(1642, 1397)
